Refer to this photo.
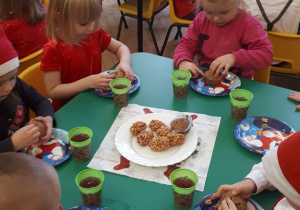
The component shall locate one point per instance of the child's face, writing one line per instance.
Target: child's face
(221, 11)
(7, 83)
(83, 30)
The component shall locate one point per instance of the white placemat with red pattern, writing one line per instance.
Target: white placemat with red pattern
(108, 158)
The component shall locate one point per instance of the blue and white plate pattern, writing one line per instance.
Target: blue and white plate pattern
(55, 151)
(108, 93)
(229, 82)
(260, 134)
(201, 205)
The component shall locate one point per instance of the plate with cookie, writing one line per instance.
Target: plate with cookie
(210, 85)
(149, 140)
(108, 93)
(207, 204)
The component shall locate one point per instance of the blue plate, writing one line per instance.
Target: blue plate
(229, 82)
(108, 93)
(55, 151)
(252, 205)
(86, 208)
(260, 134)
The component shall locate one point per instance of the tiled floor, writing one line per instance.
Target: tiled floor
(110, 21)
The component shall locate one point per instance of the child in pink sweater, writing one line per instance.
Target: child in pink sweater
(224, 37)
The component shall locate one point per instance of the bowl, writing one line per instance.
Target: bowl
(181, 124)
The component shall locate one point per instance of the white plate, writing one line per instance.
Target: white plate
(127, 144)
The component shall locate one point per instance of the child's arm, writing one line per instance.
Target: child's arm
(295, 97)
(58, 91)
(25, 136)
(244, 188)
(123, 54)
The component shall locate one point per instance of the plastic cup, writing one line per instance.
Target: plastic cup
(81, 149)
(184, 183)
(87, 181)
(180, 80)
(120, 88)
(240, 101)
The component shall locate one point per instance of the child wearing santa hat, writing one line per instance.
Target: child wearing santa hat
(16, 97)
(279, 169)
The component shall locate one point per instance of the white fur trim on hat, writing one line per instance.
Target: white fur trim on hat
(276, 177)
(9, 66)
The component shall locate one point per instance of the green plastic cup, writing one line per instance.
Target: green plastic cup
(240, 101)
(81, 148)
(184, 183)
(180, 81)
(120, 88)
(86, 181)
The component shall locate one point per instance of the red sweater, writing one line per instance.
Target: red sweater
(26, 38)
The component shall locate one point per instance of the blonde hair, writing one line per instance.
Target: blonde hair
(62, 15)
(31, 11)
(198, 4)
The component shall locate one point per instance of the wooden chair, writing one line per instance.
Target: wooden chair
(150, 9)
(263, 75)
(176, 21)
(35, 77)
(29, 61)
(285, 48)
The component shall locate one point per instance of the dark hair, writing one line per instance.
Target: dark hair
(31, 11)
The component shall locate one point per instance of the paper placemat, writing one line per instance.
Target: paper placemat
(108, 158)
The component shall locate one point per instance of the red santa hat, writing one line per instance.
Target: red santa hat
(8, 55)
(282, 167)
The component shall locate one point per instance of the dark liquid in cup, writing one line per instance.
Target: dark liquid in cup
(240, 99)
(181, 78)
(90, 182)
(120, 86)
(183, 182)
(80, 137)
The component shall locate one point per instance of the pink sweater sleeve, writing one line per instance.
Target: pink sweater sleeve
(256, 52)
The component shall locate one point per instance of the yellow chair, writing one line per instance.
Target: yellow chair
(285, 48)
(29, 61)
(150, 9)
(263, 75)
(34, 77)
(176, 21)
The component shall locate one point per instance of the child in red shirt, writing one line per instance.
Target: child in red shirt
(72, 58)
(24, 25)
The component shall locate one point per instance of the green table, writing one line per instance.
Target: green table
(230, 161)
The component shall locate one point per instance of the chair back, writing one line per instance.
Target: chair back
(149, 7)
(173, 17)
(262, 75)
(285, 48)
(29, 61)
(35, 77)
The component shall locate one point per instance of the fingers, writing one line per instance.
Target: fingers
(298, 107)
(227, 204)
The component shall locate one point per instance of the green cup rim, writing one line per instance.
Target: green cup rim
(241, 90)
(93, 189)
(181, 70)
(183, 190)
(120, 91)
(82, 143)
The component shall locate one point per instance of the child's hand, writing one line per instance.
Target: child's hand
(25, 136)
(98, 81)
(127, 70)
(190, 67)
(222, 62)
(227, 204)
(295, 97)
(48, 121)
(244, 188)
